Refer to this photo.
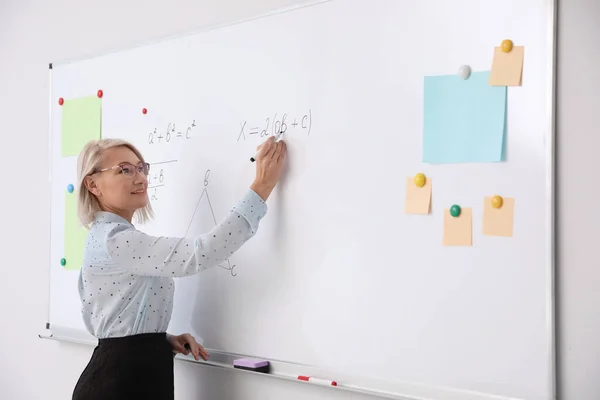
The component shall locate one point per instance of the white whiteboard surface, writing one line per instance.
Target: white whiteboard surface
(338, 278)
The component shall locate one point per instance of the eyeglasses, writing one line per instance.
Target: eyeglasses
(129, 170)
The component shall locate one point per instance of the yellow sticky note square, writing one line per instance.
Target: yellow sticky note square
(75, 235)
(458, 230)
(81, 122)
(498, 221)
(418, 199)
(507, 68)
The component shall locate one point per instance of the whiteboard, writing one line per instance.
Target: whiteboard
(338, 278)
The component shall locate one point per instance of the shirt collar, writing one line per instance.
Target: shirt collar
(107, 216)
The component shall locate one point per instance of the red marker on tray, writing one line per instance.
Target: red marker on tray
(318, 381)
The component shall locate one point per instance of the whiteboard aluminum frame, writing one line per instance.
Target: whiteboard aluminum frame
(552, 9)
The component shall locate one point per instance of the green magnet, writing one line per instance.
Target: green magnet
(455, 210)
(63, 262)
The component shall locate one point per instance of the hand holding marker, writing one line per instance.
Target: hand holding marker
(277, 138)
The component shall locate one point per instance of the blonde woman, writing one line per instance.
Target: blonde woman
(126, 281)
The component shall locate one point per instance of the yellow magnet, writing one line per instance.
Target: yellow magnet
(420, 180)
(497, 201)
(506, 45)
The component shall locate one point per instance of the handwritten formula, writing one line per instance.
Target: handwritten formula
(279, 123)
(157, 178)
(172, 133)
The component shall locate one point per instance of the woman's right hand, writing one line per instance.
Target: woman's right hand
(269, 163)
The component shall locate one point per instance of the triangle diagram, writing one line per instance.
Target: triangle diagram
(203, 220)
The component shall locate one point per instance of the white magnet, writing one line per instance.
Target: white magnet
(464, 71)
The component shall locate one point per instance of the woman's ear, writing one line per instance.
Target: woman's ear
(91, 185)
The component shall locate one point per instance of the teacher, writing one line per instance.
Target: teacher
(126, 280)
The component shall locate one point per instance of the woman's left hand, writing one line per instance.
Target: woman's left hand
(178, 343)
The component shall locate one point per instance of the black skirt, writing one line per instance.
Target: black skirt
(131, 367)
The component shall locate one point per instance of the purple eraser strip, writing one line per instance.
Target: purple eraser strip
(248, 363)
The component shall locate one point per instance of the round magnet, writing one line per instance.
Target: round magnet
(464, 71)
(63, 262)
(506, 45)
(419, 180)
(70, 188)
(144, 111)
(100, 93)
(455, 210)
(61, 101)
(497, 201)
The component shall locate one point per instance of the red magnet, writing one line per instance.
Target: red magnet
(61, 101)
(100, 93)
(144, 111)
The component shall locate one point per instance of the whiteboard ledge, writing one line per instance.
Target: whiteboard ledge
(68, 335)
(289, 371)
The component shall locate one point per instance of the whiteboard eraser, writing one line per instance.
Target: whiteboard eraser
(251, 365)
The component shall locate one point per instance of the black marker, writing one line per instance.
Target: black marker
(253, 158)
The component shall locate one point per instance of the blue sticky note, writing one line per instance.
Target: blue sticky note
(464, 119)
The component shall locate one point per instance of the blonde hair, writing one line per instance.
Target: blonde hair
(88, 161)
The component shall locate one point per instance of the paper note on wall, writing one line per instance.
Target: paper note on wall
(458, 231)
(498, 221)
(464, 119)
(507, 68)
(81, 122)
(75, 235)
(418, 199)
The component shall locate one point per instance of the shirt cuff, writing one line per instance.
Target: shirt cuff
(252, 207)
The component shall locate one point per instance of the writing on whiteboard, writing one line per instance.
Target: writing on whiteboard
(157, 178)
(201, 205)
(280, 123)
(172, 133)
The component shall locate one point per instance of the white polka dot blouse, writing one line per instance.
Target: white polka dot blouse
(126, 281)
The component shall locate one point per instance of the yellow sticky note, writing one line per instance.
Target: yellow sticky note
(458, 230)
(418, 199)
(507, 68)
(81, 122)
(498, 221)
(75, 235)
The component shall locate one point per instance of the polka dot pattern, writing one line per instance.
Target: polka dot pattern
(126, 282)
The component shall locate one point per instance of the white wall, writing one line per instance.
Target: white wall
(578, 202)
(36, 32)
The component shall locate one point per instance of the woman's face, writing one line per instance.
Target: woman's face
(120, 183)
